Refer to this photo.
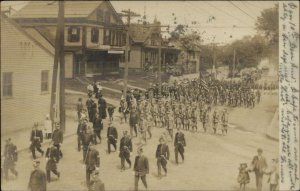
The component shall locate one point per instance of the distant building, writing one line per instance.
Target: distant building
(94, 34)
(26, 75)
(143, 54)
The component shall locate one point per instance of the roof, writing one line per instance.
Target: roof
(33, 35)
(140, 32)
(48, 9)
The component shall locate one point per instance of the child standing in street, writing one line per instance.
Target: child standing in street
(243, 177)
(273, 175)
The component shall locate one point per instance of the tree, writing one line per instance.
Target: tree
(268, 24)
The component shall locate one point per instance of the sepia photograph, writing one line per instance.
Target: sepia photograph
(149, 95)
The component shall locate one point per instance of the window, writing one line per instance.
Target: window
(106, 37)
(7, 84)
(113, 36)
(107, 17)
(95, 35)
(74, 34)
(100, 15)
(45, 81)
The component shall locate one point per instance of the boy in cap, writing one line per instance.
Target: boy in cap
(162, 155)
(37, 180)
(141, 168)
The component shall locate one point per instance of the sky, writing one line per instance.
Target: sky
(217, 21)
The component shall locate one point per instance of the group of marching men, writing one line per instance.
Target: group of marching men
(213, 92)
(90, 127)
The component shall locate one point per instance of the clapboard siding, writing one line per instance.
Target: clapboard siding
(26, 60)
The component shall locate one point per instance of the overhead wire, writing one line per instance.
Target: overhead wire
(241, 10)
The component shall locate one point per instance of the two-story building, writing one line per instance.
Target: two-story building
(94, 34)
(145, 40)
(26, 76)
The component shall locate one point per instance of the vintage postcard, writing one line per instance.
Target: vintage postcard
(150, 95)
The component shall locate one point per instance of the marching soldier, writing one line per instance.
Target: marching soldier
(112, 137)
(96, 183)
(133, 121)
(205, 120)
(10, 157)
(87, 140)
(97, 126)
(92, 162)
(162, 156)
(57, 138)
(224, 119)
(179, 145)
(36, 139)
(37, 180)
(125, 149)
(215, 121)
(52, 157)
(141, 168)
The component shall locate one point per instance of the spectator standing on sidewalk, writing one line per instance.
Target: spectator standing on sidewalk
(52, 157)
(36, 139)
(48, 127)
(57, 138)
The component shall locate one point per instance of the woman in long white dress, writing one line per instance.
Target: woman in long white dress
(48, 127)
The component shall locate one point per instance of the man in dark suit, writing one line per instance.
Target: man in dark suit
(112, 137)
(259, 164)
(179, 145)
(81, 130)
(37, 180)
(125, 149)
(92, 162)
(102, 107)
(97, 126)
(36, 139)
(162, 155)
(133, 121)
(96, 183)
(141, 168)
(57, 138)
(87, 140)
(53, 156)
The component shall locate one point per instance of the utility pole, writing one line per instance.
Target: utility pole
(233, 66)
(128, 14)
(62, 113)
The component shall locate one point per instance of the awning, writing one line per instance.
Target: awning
(115, 51)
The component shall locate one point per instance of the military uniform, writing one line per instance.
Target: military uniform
(141, 168)
(112, 136)
(224, 119)
(92, 161)
(36, 139)
(87, 139)
(81, 130)
(179, 144)
(125, 149)
(53, 156)
(133, 121)
(162, 155)
(57, 138)
(97, 126)
(215, 121)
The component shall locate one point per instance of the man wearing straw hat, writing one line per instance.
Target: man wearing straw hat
(259, 164)
(36, 139)
(162, 155)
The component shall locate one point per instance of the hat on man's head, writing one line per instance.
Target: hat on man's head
(161, 138)
(140, 149)
(259, 150)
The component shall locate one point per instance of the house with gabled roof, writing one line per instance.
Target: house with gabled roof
(143, 54)
(26, 76)
(94, 34)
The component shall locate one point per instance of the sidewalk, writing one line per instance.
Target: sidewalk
(22, 138)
